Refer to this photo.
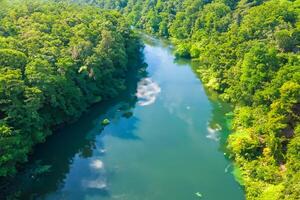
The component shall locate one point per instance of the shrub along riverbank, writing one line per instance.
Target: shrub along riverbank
(56, 59)
(248, 52)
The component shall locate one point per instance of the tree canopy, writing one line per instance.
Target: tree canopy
(248, 51)
(56, 59)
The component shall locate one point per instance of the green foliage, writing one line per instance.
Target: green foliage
(272, 192)
(55, 60)
(248, 52)
(12, 58)
(105, 122)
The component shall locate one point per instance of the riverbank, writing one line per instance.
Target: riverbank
(56, 59)
(170, 147)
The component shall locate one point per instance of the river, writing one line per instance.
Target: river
(167, 144)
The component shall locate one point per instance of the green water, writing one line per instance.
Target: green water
(168, 145)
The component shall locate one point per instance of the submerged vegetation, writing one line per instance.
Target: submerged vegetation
(248, 51)
(105, 122)
(56, 59)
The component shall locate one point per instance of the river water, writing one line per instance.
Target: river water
(167, 144)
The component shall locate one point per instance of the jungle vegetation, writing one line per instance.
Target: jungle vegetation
(248, 51)
(56, 59)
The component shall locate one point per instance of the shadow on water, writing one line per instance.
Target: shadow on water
(219, 123)
(220, 120)
(65, 159)
(50, 163)
(157, 41)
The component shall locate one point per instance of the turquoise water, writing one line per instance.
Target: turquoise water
(166, 144)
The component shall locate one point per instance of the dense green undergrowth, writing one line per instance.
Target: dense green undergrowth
(248, 51)
(56, 59)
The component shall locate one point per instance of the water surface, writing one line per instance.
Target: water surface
(166, 144)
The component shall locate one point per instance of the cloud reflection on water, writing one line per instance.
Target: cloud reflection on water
(213, 133)
(147, 92)
(98, 183)
(96, 164)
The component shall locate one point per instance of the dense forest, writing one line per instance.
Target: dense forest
(248, 51)
(56, 59)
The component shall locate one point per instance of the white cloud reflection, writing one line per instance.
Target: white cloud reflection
(95, 184)
(96, 164)
(147, 92)
(213, 133)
